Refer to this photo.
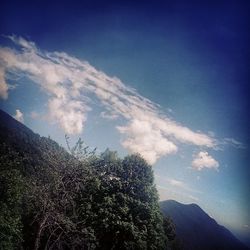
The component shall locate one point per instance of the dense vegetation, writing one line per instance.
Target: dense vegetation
(54, 199)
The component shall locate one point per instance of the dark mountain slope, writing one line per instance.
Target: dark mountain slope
(22, 138)
(33, 148)
(197, 230)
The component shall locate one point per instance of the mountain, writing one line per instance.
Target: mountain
(197, 230)
(23, 140)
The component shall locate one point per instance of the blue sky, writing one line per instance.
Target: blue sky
(167, 80)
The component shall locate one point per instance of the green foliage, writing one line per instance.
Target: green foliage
(127, 207)
(52, 199)
(169, 228)
(11, 188)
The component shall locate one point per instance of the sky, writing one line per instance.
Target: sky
(166, 79)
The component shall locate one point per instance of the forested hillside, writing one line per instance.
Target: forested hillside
(51, 198)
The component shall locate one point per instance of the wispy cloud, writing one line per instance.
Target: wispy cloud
(108, 116)
(19, 116)
(194, 198)
(167, 193)
(170, 183)
(204, 160)
(69, 82)
(3, 84)
(233, 142)
(176, 183)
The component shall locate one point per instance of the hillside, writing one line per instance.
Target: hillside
(32, 148)
(197, 230)
(52, 199)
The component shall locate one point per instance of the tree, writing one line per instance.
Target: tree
(170, 231)
(144, 206)
(57, 201)
(129, 214)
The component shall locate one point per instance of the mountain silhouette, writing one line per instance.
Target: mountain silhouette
(197, 230)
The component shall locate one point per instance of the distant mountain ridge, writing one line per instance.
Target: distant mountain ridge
(197, 230)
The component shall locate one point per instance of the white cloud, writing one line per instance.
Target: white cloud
(69, 113)
(19, 116)
(194, 198)
(166, 193)
(69, 82)
(176, 183)
(204, 160)
(142, 137)
(108, 116)
(233, 142)
(22, 42)
(3, 85)
(171, 183)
